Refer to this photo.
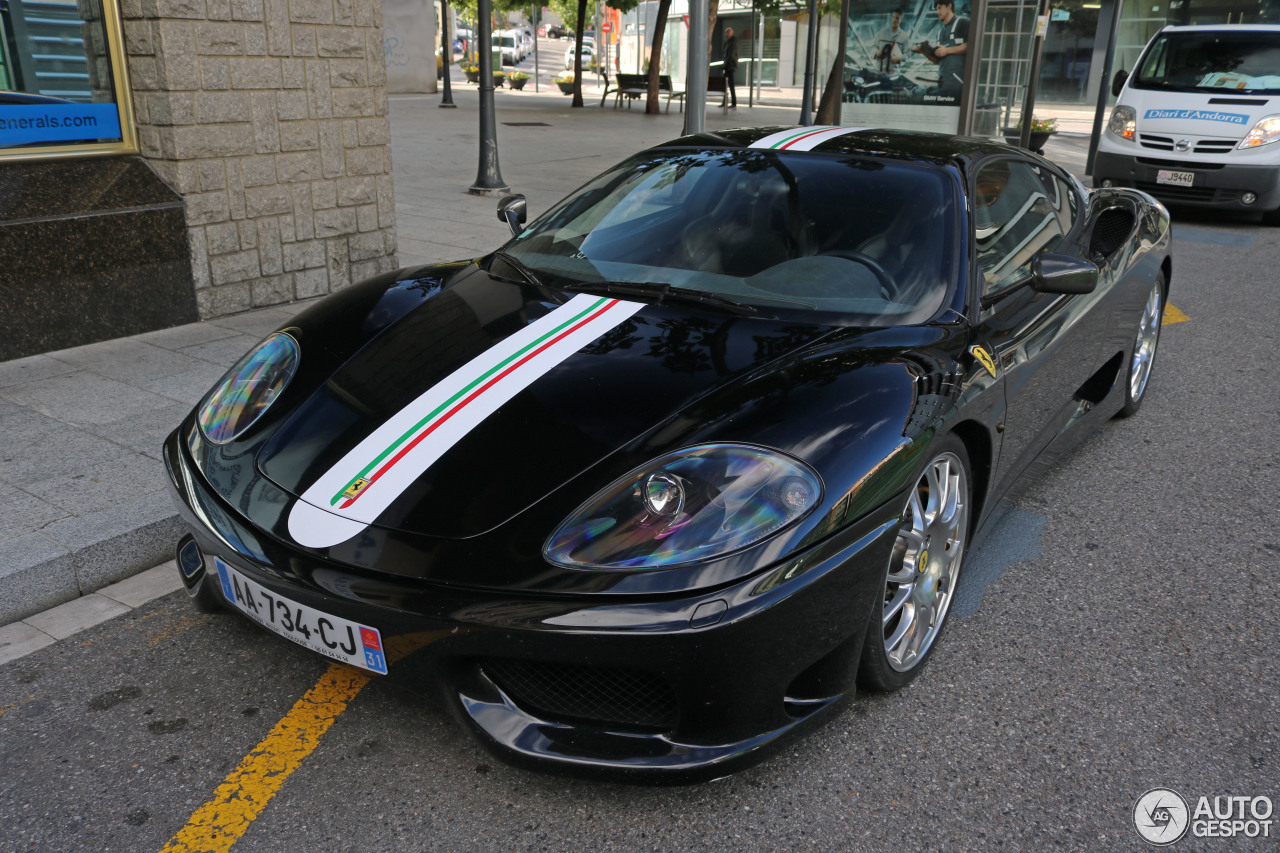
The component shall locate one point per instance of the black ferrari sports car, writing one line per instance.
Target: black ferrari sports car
(692, 455)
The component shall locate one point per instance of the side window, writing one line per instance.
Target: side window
(1017, 213)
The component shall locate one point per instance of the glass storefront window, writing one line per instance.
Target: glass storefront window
(62, 79)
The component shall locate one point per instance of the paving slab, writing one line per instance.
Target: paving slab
(147, 586)
(19, 640)
(73, 617)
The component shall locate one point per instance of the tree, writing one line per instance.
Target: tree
(655, 57)
(831, 93)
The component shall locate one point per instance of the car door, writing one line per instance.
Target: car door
(1043, 344)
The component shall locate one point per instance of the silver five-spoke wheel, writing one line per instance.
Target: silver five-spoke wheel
(922, 573)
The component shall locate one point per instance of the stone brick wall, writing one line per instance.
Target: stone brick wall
(269, 117)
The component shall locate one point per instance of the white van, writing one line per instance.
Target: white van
(1197, 121)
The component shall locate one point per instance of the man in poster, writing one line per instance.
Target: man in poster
(953, 42)
(892, 44)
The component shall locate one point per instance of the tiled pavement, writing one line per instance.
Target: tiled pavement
(83, 501)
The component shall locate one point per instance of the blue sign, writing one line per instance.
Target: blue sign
(32, 124)
(1199, 115)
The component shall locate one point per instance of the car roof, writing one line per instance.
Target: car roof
(1200, 28)
(940, 149)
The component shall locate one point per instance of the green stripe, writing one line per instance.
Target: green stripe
(796, 135)
(446, 404)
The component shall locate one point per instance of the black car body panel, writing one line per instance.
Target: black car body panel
(732, 652)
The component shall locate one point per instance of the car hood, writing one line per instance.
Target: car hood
(489, 396)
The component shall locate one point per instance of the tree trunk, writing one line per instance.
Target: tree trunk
(832, 92)
(655, 57)
(577, 54)
(713, 11)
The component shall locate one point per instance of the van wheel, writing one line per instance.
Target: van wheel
(1271, 217)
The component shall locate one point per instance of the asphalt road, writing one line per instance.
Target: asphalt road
(1120, 634)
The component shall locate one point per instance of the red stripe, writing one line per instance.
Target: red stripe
(426, 432)
(806, 136)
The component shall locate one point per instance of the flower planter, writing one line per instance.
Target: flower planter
(1038, 138)
(517, 84)
(472, 76)
(567, 88)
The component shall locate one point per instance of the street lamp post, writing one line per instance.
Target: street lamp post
(446, 54)
(488, 178)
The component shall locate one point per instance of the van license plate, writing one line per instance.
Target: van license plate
(331, 636)
(1181, 179)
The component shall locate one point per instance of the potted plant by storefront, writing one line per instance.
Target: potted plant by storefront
(517, 79)
(565, 82)
(1041, 130)
(499, 77)
(471, 70)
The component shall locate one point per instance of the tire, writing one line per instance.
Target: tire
(918, 593)
(1142, 359)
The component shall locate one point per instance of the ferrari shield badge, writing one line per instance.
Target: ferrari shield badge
(984, 358)
(356, 487)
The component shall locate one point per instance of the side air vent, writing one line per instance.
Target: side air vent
(1109, 233)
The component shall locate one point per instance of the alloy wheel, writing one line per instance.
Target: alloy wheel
(926, 562)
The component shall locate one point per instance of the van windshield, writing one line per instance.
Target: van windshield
(1217, 61)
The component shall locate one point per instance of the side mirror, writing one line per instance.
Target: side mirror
(1054, 273)
(513, 211)
(1118, 81)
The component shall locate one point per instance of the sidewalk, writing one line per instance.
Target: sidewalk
(84, 501)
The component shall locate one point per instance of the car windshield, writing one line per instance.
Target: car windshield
(1242, 61)
(871, 239)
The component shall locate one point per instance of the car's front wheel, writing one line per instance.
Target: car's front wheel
(920, 580)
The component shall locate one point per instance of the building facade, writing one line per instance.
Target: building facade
(184, 159)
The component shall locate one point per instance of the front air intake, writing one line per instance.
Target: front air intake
(599, 695)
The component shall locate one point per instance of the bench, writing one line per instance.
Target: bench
(716, 84)
(635, 86)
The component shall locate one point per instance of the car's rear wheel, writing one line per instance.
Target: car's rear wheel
(920, 580)
(1143, 357)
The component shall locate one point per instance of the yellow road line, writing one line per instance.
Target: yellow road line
(1172, 315)
(219, 823)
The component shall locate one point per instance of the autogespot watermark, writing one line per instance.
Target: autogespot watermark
(1162, 817)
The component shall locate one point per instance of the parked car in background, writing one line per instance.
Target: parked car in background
(508, 43)
(588, 56)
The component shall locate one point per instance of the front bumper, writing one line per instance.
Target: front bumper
(649, 688)
(1217, 185)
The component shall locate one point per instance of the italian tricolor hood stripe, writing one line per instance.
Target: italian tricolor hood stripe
(802, 138)
(354, 492)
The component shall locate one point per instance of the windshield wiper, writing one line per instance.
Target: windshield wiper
(519, 266)
(660, 291)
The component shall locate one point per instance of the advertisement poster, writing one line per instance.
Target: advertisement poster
(904, 65)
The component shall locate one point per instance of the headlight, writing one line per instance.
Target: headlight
(1266, 131)
(248, 388)
(695, 504)
(1124, 122)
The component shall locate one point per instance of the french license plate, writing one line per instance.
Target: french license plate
(331, 636)
(1181, 179)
